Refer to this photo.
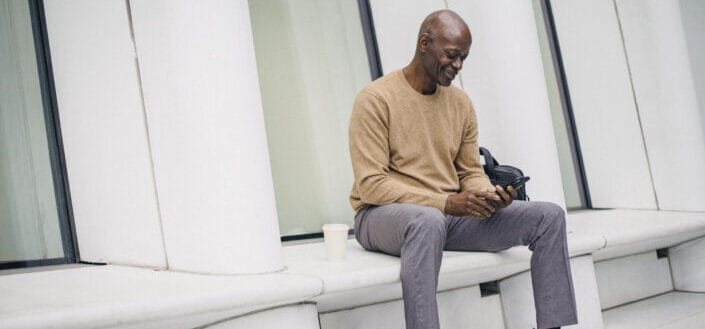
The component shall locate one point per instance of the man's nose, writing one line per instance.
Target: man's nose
(458, 64)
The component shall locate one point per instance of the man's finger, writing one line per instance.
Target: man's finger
(475, 213)
(503, 194)
(476, 202)
(495, 204)
(512, 191)
(483, 203)
(489, 195)
(478, 209)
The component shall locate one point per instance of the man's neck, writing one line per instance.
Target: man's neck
(418, 79)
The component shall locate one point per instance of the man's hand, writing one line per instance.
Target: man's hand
(476, 203)
(506, 196)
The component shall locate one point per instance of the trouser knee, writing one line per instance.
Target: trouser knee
(551, 224)
(428, 223)
(553, 215)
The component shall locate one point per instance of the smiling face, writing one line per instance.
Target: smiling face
(443, 50)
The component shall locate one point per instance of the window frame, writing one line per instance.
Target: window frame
(567, 106)
(368, 30)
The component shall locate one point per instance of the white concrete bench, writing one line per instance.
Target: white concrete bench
(629, 232)
(632, 239)
(131, 297)
(364, 291)
(638, 287)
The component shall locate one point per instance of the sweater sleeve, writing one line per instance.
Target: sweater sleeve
(370, 154)
(470, 172)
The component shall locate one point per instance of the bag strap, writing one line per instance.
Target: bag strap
(490, 161)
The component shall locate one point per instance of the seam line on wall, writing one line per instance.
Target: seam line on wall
(146, 130)
(636, 104)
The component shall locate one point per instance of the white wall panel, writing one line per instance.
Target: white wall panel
(688, 265)
(630, 278)
(603, 104)
(397, 25)
(664, 85)
(103, 128)
(207, 131)
(692, 12)
(504, 77)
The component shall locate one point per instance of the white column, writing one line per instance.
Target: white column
(692, 12)
(666, 96)
(611, 142)
(504, 77)
(104, 134)
(211, 160)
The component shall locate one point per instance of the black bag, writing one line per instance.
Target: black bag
(502, 174)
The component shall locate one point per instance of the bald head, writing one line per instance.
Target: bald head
(444, 23)
(443, 44)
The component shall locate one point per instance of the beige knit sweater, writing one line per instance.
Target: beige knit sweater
(412, 148)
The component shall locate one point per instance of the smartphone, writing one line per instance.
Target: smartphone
(518, 183)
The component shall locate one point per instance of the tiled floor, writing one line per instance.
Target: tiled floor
(674, 310)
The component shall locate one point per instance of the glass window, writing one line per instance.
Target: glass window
(30, 227)
(566, 140)
(312, 60)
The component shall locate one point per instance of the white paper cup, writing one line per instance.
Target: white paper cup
(336, 241)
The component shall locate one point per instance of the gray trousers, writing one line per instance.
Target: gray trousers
(419, 235)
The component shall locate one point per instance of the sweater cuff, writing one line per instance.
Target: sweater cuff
(439, 201)
(476, 184)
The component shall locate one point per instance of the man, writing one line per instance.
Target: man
(420, 188)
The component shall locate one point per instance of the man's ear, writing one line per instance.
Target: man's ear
(424, 42)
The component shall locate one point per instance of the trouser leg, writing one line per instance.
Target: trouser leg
(541, 226)
(416, 234)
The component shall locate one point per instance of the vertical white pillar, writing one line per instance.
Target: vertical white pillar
(206, 128)
(692, 12)
(666, 95)
(103, 127)
(616, 166)
(504, 77)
